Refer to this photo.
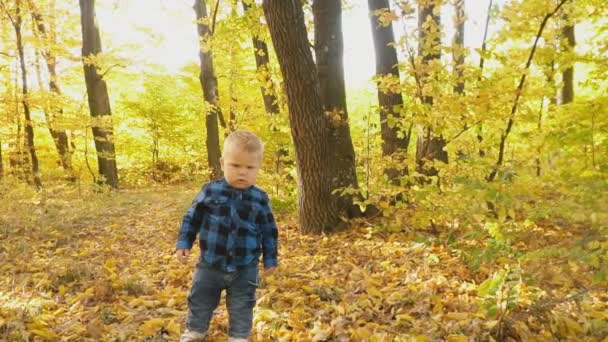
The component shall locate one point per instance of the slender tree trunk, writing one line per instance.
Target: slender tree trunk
(18, 159)
(484, 41)
(539, 150)
(99, 101)
(1, 162)
(389, 102)
(482, 153)
(232, 119)
(54, 111)
(29, 126)
(329, 51)
(429, 146)
(458, 46)
(210, 92)
(317, 209)
(568, 43)
(262, 60)
(550, 74)
(520, 88)
(458, 52)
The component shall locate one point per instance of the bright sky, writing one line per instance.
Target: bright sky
(174, 41)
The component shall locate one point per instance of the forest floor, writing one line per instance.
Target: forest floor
(78, 265)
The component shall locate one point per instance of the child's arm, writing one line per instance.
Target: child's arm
(270, 235)
(190, 224)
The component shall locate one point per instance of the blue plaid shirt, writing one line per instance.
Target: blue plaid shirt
(234, 226)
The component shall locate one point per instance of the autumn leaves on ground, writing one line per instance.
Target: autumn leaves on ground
(83, 265)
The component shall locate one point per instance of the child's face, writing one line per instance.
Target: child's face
(240, 167)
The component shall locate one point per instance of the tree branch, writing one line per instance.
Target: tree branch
(217, 6)
(520, 88)
(483, 43)
(8, 14)
(110, 68)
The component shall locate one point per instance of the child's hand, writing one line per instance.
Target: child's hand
(182, 255)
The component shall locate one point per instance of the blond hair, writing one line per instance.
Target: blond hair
(245, 141)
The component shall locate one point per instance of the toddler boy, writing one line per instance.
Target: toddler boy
(235, 226)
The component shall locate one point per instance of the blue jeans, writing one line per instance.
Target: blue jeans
(207, 286)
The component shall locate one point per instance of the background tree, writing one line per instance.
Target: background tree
(53, 111)
(262, 62)
(209, 86)
(458, 49)
(568, 43)
(431, 143)
(329, 50)
(97, 91)
(520, 89)
(395, 133)
(317, 209)
(16, 19)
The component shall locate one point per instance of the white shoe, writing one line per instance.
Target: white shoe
(236, 339)
(192, 336)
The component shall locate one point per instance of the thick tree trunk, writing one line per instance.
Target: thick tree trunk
(430, 146)
(389, 102)
(54, 111)
(262, 59)
(317, 209)
(568, 42)
(99, 101)
(329, 51)
(458, 46)
(29, 126)
(210, 93)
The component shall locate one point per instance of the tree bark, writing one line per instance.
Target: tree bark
(317, 209)
(99, 101)
(29, 126)
(389, 102)
(430, 146)
(54, 111)
(262, 60)
(568, 43)
(329, 51)
(210, 92)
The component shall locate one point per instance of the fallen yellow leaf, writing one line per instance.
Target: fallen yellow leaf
(457, 316)
(44, 333)
(457, 338)
(405, 317)
(421, 338)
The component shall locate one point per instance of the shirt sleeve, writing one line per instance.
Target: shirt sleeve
(270, 234)
(191, 222)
